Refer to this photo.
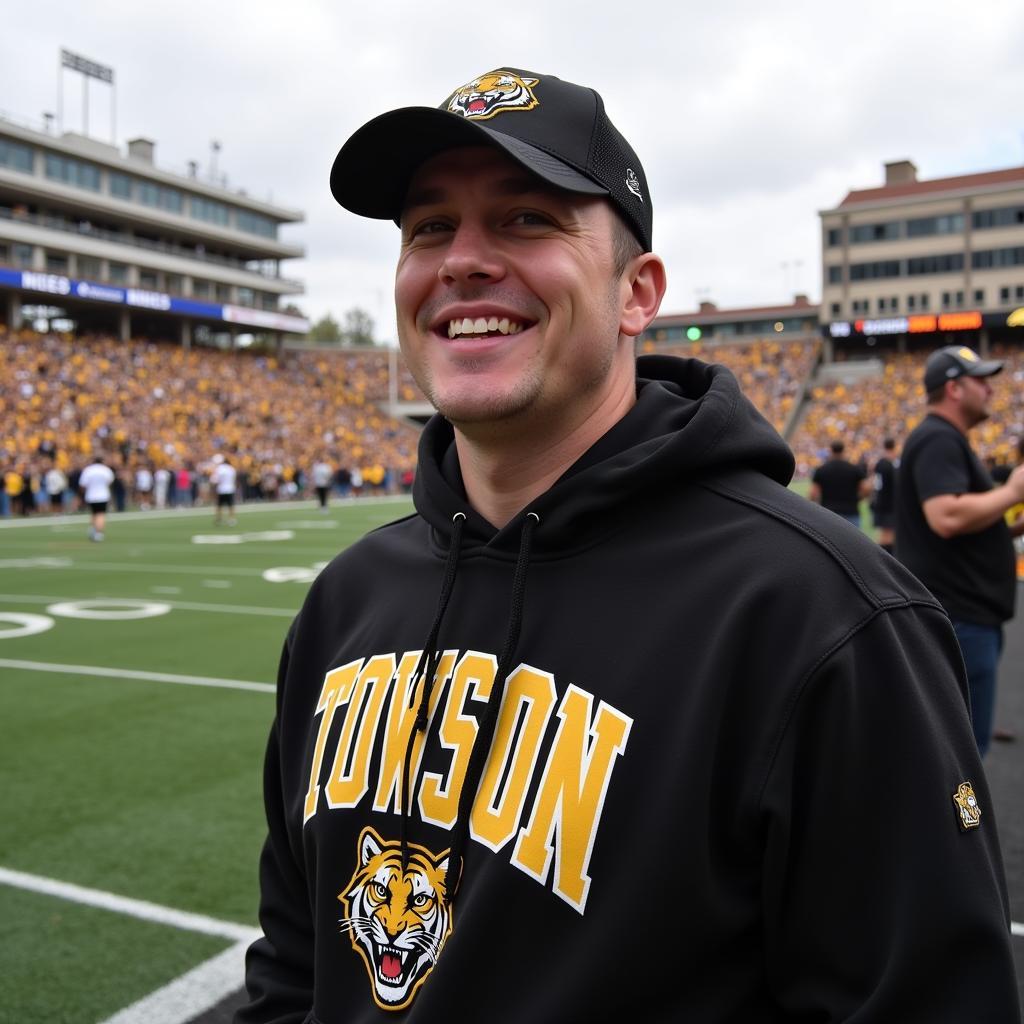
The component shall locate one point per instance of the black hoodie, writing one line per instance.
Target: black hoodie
(732, 778)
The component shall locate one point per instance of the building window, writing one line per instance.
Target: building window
(162, 198)
(875, 232)
(117, 273)
(56, 263)
(837, 309)
(834, 236)
(911, 302)
(860, 305)
(120, 185)
(985, 259)
(947, 264)
(925, 300)
(89, 267)
(1008, 216)
(255, 224)
(149, 279)
(200, 289)
(1004, 294)
(947, 224)
(222, 292)
(24, 256)
(246, 297)
(72, 172)
(209, 210)
(173, 283)
(15, 157)
(1020, 292)
(835, 275)
(979, 296)
(875, 270)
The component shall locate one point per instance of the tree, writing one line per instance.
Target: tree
(326, 329)
(357, 327)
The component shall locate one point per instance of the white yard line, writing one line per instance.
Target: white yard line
(100, 568)
(191, 994)
(76, 519)
(140, 909)
(185, 997)
(122, 673)
(190, 606)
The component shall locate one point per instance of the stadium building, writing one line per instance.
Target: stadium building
(93, 239)
(711, 324)
(928, 262)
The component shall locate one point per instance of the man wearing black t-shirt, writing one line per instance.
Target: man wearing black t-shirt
(883, 501)
(950, 526)
(838, 485)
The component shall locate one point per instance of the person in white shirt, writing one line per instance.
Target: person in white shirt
(94, 483)
(161, 482)
(223, 479)
(56, 484)
(323, 474)
(143, 485)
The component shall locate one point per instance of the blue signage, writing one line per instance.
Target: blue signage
(139, 298)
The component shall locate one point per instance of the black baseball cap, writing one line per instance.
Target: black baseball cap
(956, 361)
(555, 129)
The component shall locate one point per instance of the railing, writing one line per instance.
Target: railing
(84, 227)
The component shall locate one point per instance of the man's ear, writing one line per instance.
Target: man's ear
(643, 285)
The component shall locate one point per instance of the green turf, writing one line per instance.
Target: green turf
(68, 964)
(146, 789)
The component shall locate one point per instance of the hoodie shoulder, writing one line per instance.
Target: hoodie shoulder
(881, 580)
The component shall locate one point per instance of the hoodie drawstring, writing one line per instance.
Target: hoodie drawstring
(489, 719)
(426, 668)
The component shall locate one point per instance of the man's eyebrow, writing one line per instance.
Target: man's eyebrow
(516, 185)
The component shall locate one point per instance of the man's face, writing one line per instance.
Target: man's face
(975, 395)
(507, 298)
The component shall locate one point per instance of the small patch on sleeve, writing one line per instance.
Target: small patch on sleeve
(966, 803)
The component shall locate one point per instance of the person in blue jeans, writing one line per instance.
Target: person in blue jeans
(951, 530)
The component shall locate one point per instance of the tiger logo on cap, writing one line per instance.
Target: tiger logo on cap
(493, 94)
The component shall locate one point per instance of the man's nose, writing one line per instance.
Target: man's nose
(471, 256)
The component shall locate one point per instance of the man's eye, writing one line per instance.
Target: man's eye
(429, 227)
(531, 217)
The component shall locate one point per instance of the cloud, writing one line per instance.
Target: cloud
(749, 117)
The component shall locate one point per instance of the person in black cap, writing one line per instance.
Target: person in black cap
(950, 526)
(589, 735)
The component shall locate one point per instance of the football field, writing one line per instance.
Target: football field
(137, 680)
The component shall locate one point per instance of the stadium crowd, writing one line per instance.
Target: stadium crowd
(864, 412)
(158, 413)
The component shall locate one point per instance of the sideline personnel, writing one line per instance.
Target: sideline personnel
(950, 530)
(615, 727)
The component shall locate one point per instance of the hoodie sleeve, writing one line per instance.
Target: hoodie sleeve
(279, 965)
(878, 904)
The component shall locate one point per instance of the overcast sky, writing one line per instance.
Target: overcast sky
(749, 117)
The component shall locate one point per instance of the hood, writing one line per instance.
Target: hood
(690, 420)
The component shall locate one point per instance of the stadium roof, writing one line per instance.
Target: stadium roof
(709, 313)
(962, 182)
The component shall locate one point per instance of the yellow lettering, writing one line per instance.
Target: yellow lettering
(398, 726)
(439, 795)
(571, 796)
(349, 779)
(530, 696)
(337, 689)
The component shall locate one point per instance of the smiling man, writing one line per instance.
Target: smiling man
(615, 726)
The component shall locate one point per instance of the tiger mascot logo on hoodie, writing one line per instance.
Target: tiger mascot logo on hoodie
(398, 920)
(492, 94)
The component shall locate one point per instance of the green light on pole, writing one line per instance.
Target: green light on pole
(693, 333)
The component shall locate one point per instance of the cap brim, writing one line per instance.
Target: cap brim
(986, 368)
(371, 172)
